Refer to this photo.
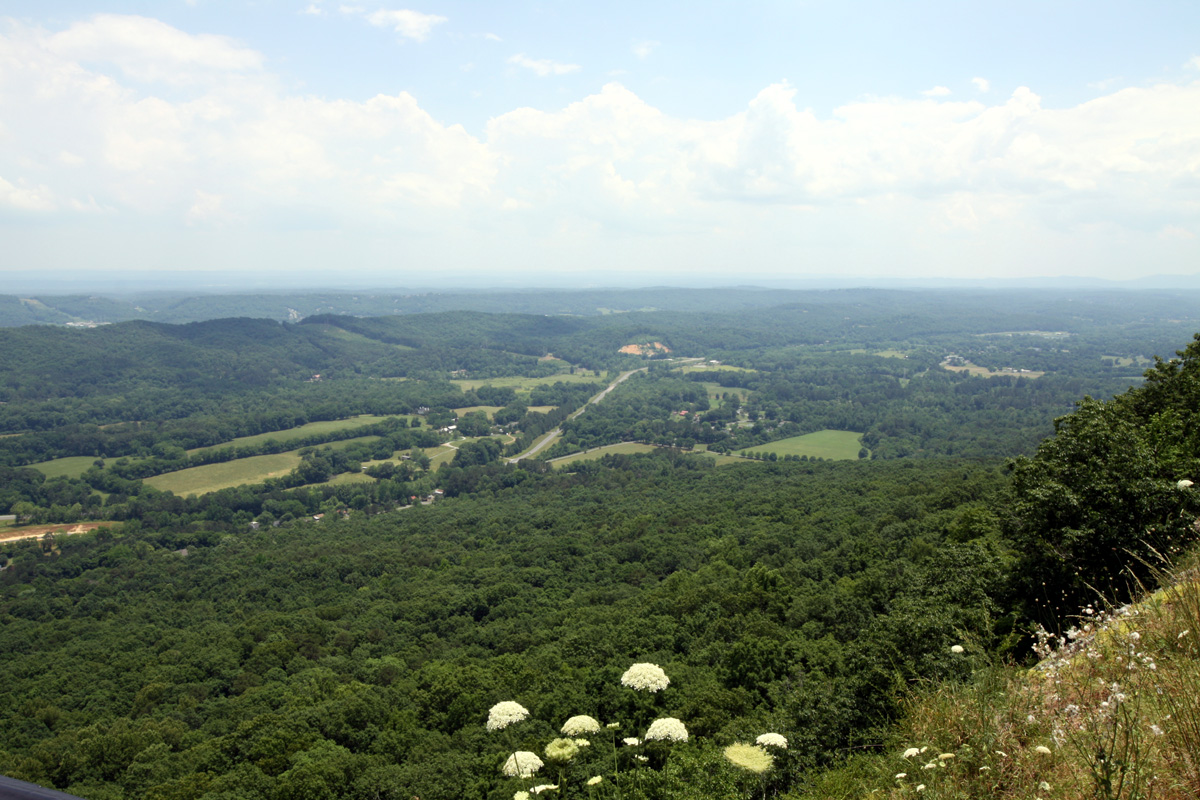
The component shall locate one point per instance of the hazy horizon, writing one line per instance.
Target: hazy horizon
(517, 144)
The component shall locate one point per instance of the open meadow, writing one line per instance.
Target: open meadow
(309, 429)
(255, 469)
(830, 444)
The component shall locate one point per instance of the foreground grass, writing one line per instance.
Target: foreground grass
(1112, 711)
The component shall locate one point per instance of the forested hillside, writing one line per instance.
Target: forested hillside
(339, 624)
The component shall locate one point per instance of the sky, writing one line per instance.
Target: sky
(468, 143)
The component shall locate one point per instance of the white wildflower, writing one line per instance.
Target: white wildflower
(958, 648)
(772, 740)
(920, 787)
(562, 750)
(582, 742)
(1157, 731)
(613, 725)
(522, 764)
(504, 714)
(667, 729)
(930, 765)
(544, 787)
(632, 741)
(1041, 748)
(1045, 787)
(1184, 484)
(912, 751)
(1002, 754)
(580, 724)
(645, 678)
(595, 780)
(521, 795)
(642, 758)
(945, 756)
(901, 775)
(749, 757)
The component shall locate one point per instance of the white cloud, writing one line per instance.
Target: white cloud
(608, 173)
(643, 49)
(937, 91)
(542, 66)
(491, 37)
(982, 84)
(24, 198)
(150, 50)
(409, 24)
(313, 9)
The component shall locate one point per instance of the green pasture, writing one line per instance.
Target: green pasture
(601, 452)
(255, 469)
(349, 477)
(715, 390)
(309, 429)
(71, 467)
(837, 445)
(489, 410)
(213, 477)
(714, 368)
(521, 384)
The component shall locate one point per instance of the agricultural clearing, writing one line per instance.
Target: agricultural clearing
(830, 444)
(255, 469)
(522, 384)
(70, 467)
(601, 452)
(301, 431)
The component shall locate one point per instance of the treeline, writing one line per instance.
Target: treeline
(358, 657)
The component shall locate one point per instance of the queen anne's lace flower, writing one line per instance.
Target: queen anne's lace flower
(504, 714)
(631, 741)
(562, 750)
(1041, 748)
(594, 780)
(522, 764)
(645, 678)
(749, 757)
(912, 751)
(772, 740)
(580, 724)
(544, 787)
(667, 729)
(958, 648)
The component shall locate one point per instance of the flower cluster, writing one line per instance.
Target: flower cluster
(667, 729)
(579, 725)
(749, 757)
(645, 678)
(772, 740)
(562, 750)
(504, 714)
(522, 764)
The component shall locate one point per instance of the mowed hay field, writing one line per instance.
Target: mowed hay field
(255, 469)
(601, 452)
(71, 467)
(309, 429)
(212, 477)
(527, 384)
(836, 445)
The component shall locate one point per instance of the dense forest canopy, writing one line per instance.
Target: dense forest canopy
(341, 626)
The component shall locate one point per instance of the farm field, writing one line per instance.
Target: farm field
(489, 410)
(601, 452)
(984, 372)
(309, 429)
(714, 368)
(526, 384)
(836, 445)
(255, 469)
(715, 390)
(71, 467)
